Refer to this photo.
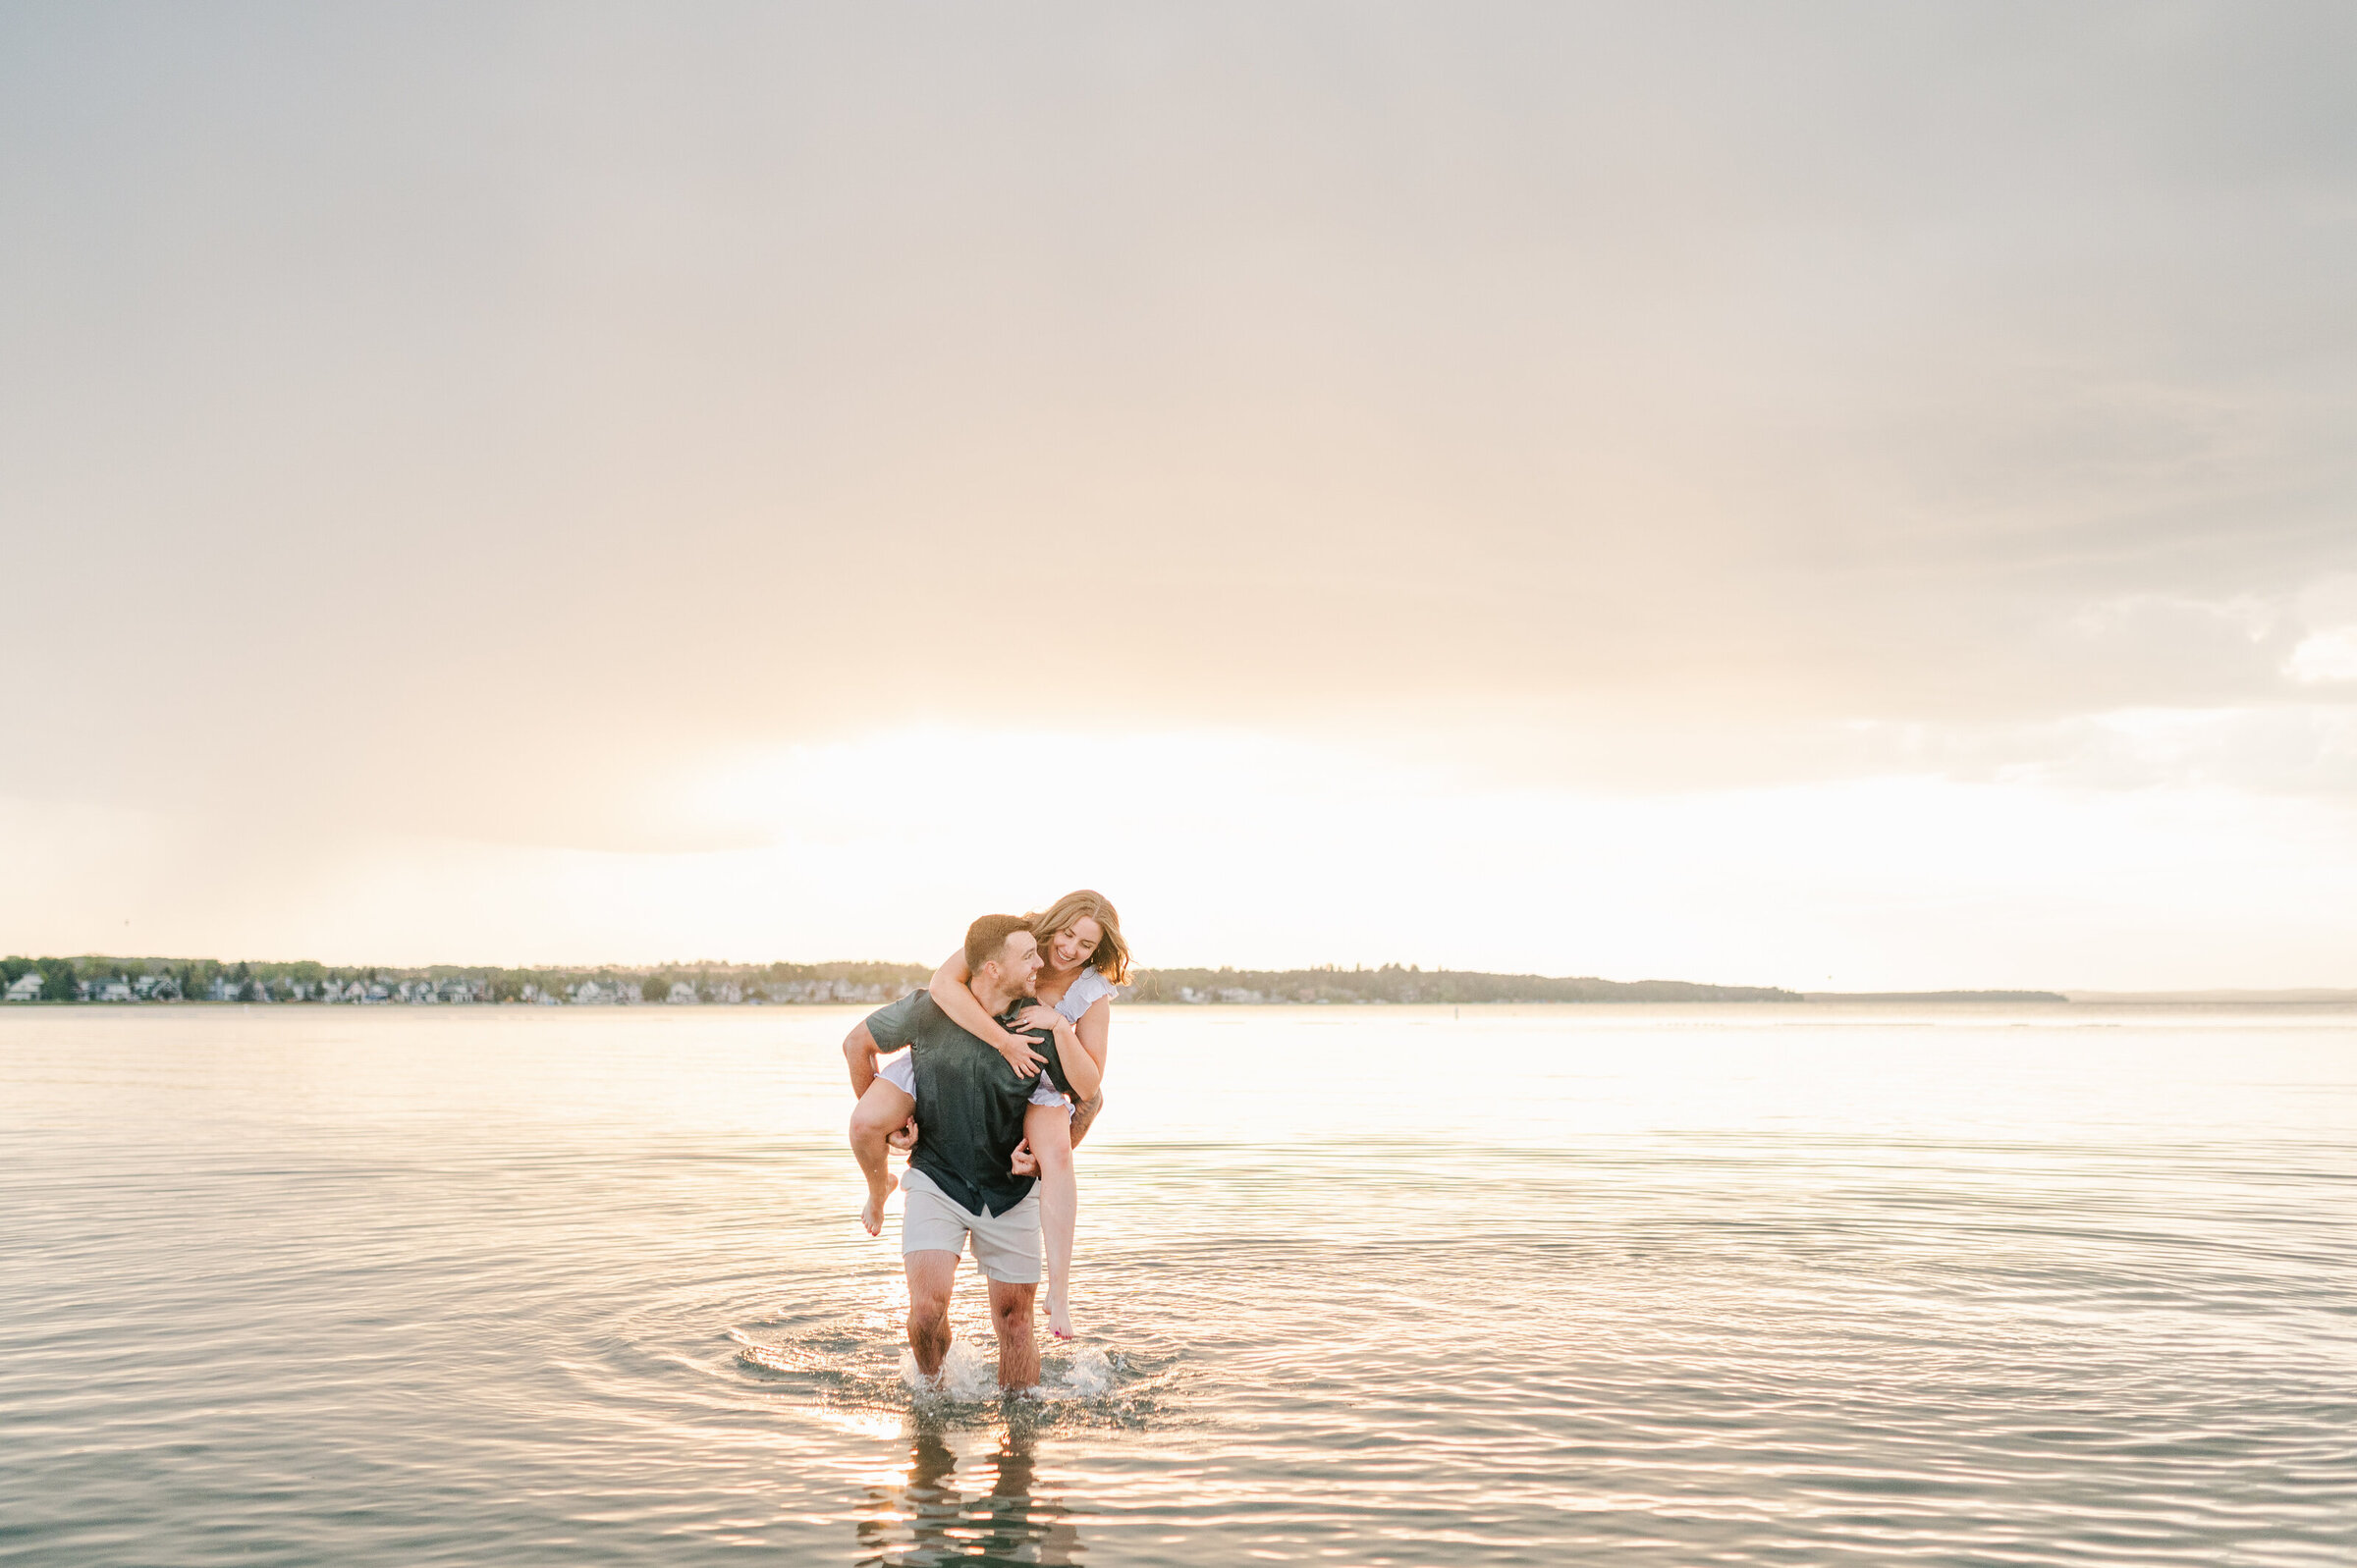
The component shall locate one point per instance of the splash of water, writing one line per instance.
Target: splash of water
(970, 1374)
(1088, 1377)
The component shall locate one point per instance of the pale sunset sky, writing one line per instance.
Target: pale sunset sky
(1835, 495)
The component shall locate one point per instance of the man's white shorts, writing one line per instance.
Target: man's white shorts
(1006, 1246)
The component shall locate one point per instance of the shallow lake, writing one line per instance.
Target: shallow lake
(1607, 1286)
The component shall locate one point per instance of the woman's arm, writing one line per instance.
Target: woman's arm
(951, 995)
(1095, 1030)
(1083, 1063)
(1080, 1069)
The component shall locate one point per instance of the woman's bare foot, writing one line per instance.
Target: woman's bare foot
(1059, 1317)
(871, 1213)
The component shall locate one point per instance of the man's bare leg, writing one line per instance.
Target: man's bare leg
(1011, 1321)
(879, 1112)
(1048, 1129)
(930, 1277)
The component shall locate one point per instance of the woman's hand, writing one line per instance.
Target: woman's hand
(1039, 1015)
(1018, 1054)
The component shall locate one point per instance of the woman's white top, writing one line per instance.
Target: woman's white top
(1083, 992)
(899, 1069)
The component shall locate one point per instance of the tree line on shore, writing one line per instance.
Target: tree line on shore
(95, 978)
(1408, 984)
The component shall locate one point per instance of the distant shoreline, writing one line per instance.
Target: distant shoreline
(97, 978)
(1932, 996)
(2288, 996)
(2310, 999)
(100, 980)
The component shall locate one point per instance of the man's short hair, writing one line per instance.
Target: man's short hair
(986, 939)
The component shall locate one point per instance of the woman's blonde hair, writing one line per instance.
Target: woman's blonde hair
(1112, 957)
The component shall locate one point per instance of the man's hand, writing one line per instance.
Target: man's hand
(1024, 1162)
(903, 1137)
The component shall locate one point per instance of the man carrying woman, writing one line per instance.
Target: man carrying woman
(986, 1110)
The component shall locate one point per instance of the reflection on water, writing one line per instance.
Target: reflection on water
(996, 1516)
(1750, 1287)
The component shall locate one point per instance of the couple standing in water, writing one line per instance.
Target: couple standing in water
(1001, 1075)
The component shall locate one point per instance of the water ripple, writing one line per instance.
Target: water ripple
(400, 1290)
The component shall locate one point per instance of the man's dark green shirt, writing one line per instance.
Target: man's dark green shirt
(970, 1103)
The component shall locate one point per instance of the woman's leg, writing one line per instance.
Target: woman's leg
(1050, 1130)
(881, 1111)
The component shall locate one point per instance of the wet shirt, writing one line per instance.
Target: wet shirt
(970, 1103)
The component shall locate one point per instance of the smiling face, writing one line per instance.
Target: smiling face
(1068, 950)
(1018, 962)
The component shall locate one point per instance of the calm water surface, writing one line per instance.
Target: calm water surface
(1613, 1286)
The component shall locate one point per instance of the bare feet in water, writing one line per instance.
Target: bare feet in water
(871, 1213)
(1059, 1317)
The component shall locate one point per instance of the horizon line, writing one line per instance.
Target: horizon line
(2289, 994)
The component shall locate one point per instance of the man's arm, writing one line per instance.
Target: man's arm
(859, 1055)
(1086, 1114)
